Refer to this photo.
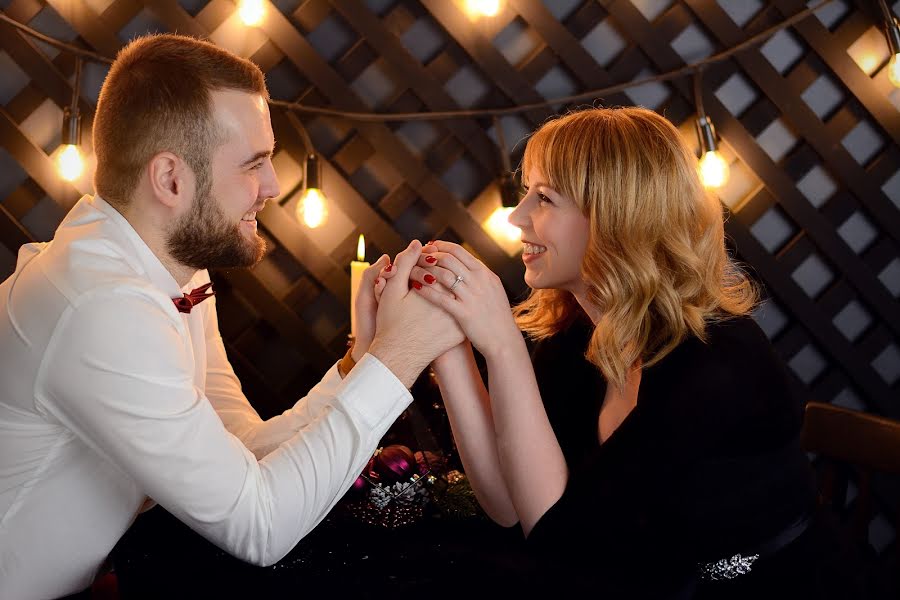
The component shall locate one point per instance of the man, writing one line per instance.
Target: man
(115, 383)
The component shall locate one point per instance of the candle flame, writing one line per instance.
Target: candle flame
(361, 248)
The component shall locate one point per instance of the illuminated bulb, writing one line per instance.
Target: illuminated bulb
(486, 8)
(70, 163)
(714, 170)
(251, 12)
(312, 208)
(894, 70)
(499, 226)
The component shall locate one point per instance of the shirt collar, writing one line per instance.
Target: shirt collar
(156, 271)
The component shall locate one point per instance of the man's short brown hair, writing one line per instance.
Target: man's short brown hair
(156, 98)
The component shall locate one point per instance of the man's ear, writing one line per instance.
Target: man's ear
(170, 179)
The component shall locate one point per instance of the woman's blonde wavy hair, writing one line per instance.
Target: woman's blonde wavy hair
(656, 265)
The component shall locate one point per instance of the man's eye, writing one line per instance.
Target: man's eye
(257, 166)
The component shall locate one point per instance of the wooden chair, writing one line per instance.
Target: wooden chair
(855, 446)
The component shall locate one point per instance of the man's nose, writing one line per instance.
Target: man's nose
(270, 187)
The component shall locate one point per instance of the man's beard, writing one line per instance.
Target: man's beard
(203, 238)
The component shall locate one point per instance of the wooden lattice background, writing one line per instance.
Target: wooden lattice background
(808, 119)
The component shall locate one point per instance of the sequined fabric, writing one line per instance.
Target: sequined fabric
(728, 568)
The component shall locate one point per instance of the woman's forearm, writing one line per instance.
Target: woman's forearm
(468, 408)
(532, 462)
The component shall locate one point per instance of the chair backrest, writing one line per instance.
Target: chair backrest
(865, 440)
(853, 446)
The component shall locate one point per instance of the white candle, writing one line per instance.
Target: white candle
(356, 270)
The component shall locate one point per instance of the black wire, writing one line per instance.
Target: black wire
(698, 93)
(501, 142)
(55, 42)
(301, 129)
(888, 17)
(76, 91)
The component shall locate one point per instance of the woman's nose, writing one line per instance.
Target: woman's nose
(519, 217)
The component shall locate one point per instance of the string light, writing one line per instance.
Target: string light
(713, 167)
(484, 8)
(892, 33)
(251, 12)
(70, 163)
(498, 223)
(312, 209)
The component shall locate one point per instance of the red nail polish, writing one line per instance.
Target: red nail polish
(417, 285)
(429, 278)
(430, 259)
(388, 268)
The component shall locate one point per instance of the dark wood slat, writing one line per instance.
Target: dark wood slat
(44, 73)
(13, 233)
(175, 17)
(118, 14)
(568, 49)
(23, 10)
(284, 227)
(250, 378)
(486, 56)
(35, 162)
(819, 327)
(89, 25)
(414, 76)
(281, 317)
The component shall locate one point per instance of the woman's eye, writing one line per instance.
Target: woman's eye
(543, 198)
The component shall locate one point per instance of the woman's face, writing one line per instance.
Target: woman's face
(554, 234)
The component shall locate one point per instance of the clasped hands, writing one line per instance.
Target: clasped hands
(429, 300)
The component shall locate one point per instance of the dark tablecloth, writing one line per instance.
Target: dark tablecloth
(160, 557)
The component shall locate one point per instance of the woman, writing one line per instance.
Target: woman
(679, 466)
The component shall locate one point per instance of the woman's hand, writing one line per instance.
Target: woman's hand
(451, 278)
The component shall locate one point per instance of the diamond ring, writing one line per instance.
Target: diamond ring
(459, 280)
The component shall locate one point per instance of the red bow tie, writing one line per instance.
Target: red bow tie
(196, 296)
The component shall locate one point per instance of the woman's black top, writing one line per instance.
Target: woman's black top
(707, 466)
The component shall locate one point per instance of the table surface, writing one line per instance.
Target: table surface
(159, 557)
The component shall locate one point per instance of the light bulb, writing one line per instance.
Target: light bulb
(485, 8)
(714, 170)
(312, 208)
(894, 70)
(251, 12)
(70, 163)
(499, 226)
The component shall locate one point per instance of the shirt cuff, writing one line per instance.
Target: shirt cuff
(373, 392)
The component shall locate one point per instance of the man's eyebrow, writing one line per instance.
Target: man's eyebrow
(258, 156)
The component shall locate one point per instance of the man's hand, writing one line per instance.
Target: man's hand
(410, 332)
(366, 307)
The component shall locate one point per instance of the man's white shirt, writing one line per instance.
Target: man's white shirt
(109, 395)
